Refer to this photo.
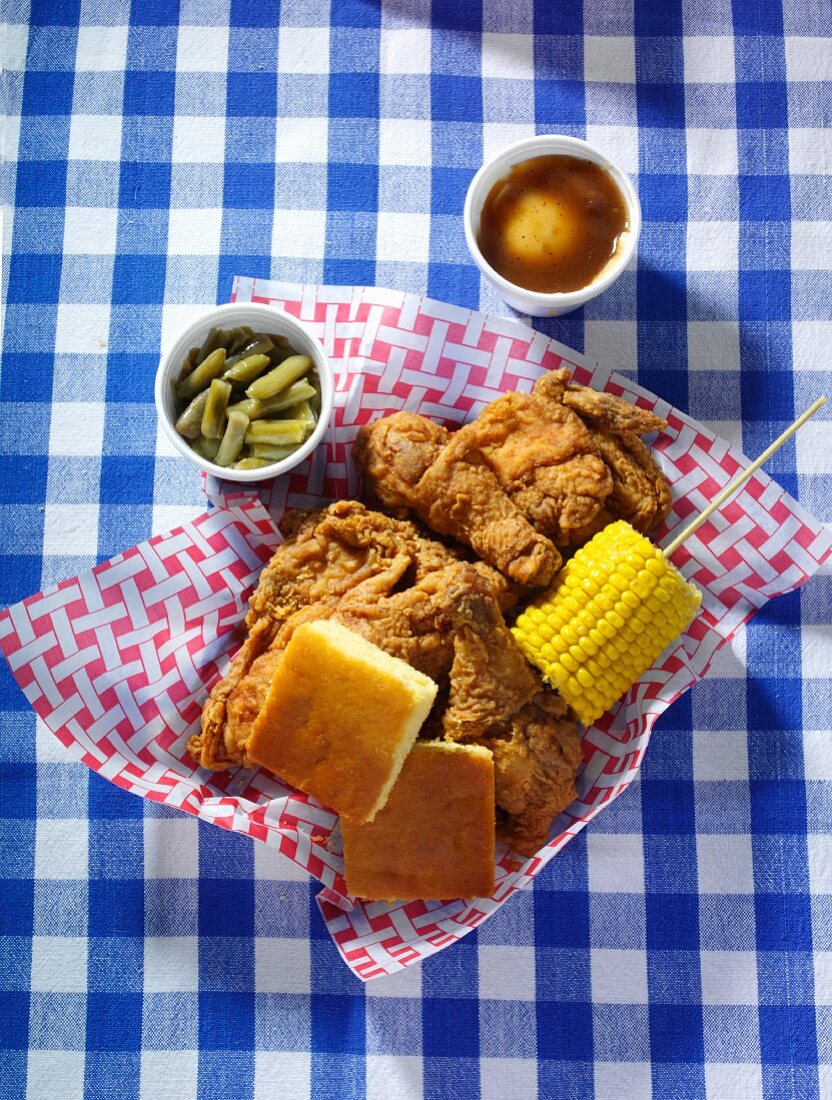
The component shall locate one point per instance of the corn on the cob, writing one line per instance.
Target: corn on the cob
(611, 611)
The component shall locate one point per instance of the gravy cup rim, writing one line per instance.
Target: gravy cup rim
(526, 149)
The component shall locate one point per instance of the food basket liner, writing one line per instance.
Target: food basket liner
(118, 661)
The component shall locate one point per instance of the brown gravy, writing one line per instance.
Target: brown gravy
(552, 224)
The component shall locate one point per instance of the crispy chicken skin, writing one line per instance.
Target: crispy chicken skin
(417, 600)
(531, 473)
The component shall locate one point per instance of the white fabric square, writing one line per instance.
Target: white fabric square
(405, 50)
(94, 137)
(711, 152)
(90, 230)
(817, 759)
(82, 328)
(810, 151)
(609, 59)
(202, 49)
(194, 232)
(815, 641)
(814, 452)
(167, 516)
(820, 863)
(14, 47)
(394, 1075)
(303, 140)
(508, 1079)
(404, 141)
(76, 428)
(623, 1081)
(725, 864)
(713, 246)
(61, 845)
(59, 964)
(709, 59)
(404, 983)
(713, 345)
(496, 135)
(403, 237)
(823, 977)
(70, 529)
(508, 56)
(729, 977)
(198, 139)
(46, 1067)
(810, 341)
(807, 58)
(49, 750)
(618, 976)
(612, 343)
(507, 973)
(272, 866)
(101, 49)
(171, 964)
(736, 1080)
(281, 965)
(811, 245)
(303, 50)
(169, 1075)
(616, 863)
(720, 754)
(288, 1067)
(171, 847)
(299, 233)
(176, 318)
(620, 143)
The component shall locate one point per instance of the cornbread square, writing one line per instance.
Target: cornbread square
(434, 839)
(340, 717)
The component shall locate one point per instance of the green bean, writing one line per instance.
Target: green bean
(256, 410)
(232, 441)
(251, 463)
(213, 415)
(276, 432)
(211, 342)
(246, 370)
(273, 454)
(206, 448)
(202, 376)
(301, 411)
(189, 421)
(238, 338)
(290, 370)
(260, 346)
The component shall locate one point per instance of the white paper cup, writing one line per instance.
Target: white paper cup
(262, 318)
(534, 302)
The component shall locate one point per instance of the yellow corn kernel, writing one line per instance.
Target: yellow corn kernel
(615, 606)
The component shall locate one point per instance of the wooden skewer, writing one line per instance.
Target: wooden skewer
(729, 490)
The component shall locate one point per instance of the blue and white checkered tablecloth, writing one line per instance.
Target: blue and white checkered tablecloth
(681, 947)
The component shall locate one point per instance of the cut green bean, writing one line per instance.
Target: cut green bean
(276, 432)
(211, 342)
(301, 411)
(213, 415)
(246, 370)
(206, 448)
(189, 421)
(261, 345)
(201, 377)
(257, 410)
(272, 454)
(233, 440)
(290, 370)
(251, 463)
(238, 338)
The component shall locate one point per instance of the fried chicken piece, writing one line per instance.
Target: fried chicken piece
(536, 757)
(410, 462)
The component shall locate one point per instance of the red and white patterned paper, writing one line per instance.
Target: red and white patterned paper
(118, 661)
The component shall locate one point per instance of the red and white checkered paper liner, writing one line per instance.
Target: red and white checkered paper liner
(118, 661)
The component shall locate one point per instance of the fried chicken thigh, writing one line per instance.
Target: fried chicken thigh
(531, 473)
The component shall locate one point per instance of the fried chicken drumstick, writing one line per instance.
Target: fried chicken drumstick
(420, 601)
(531, 473)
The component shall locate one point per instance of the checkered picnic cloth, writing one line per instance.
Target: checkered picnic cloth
(682, 945)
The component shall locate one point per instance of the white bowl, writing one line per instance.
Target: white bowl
(533, 302)
(262, 319)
